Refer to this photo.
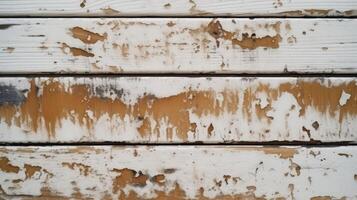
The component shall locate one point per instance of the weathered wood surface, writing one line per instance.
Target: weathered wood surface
(178, 45)
(321, 8)
(178, 172)
(177, 109)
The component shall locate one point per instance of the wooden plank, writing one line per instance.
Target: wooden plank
(178, 45)
(289, 8)
(178, 172)
(177, 109)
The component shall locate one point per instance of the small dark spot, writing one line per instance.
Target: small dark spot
(35, 35)
(210, 129)
(344, 154)
(307, 131)
(316, 125)
(168, 5)
(169, 170)
(83, 4)
(304, 33)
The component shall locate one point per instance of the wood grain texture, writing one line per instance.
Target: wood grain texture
(177, 109)
(289, 8)
(178, 172)
(178, 45)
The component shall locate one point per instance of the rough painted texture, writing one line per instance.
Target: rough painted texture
(178, 45)
(292, 8)
(180, 172)
(178, 109)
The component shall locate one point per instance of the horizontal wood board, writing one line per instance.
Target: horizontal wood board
(178, 109)
(289, 8)
(178, 172)
(178, 45)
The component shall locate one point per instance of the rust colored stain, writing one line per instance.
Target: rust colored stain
(175, 110)
(128, 177)
(251, 42)
(56, 103)
(5, 166)
(325, 99)
(158, 179)
(76, 51)
(30, 170)
(87, 36)
(83, 169)
(282, 152)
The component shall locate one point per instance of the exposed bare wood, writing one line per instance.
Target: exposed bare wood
(136, 45)
(171, 172)
(291, 8)
(177, 109)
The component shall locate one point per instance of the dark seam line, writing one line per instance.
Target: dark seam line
(200, 143)
(182, 75)
(179, 16)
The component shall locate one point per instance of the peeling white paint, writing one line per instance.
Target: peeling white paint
(193, 167)
(344, 98)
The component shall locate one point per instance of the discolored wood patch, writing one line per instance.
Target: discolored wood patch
(201, 172)
(178, 109)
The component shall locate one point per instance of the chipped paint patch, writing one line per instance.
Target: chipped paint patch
(30, 170)
(7, 167)
(251, 42)
(86, 36)
(128, 177)
(83, 169)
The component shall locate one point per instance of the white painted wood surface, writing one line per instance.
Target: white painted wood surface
(178, 45)
(178, 172)
(293, 8)
(177, 109)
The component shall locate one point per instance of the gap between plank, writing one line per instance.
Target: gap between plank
(198, 143)
(158, 74)
(179, 16)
